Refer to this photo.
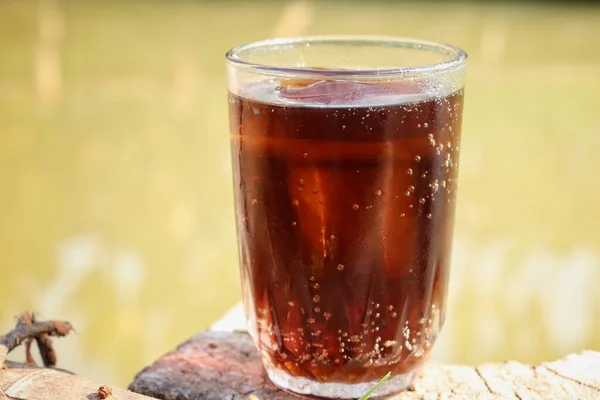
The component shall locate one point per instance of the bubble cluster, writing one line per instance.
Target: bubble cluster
(379, 179)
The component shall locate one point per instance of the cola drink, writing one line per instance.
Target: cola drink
(345, 198)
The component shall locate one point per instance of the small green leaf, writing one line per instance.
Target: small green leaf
(367, 395)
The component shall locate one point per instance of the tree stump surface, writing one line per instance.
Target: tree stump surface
(223, 364)
(217, 365)
(19, 382)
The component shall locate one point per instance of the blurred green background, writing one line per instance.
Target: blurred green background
(115, 189)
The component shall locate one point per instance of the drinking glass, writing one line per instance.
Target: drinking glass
(345, 157)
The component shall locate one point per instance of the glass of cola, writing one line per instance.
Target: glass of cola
(345, 155)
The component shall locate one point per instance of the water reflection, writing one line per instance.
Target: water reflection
(527, 302)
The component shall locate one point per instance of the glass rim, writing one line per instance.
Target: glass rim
(457, 55)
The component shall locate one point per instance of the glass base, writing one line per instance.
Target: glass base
(336, 390)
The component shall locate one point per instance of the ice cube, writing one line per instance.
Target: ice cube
(347, 93)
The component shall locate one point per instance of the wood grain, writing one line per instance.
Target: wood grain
(219, 365)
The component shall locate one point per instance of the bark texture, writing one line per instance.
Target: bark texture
(220, 365)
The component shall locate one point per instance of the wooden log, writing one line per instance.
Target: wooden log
(19, 382)
(225, 365)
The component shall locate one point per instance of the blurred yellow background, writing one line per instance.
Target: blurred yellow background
(116, 208)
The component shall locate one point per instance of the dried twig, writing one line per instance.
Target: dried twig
(28, 329)
(28, 356)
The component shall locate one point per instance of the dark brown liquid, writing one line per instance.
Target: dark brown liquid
(345, 214)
